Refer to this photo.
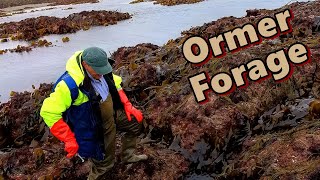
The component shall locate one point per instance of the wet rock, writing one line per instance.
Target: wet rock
(21, 49)
(316, 24)
(253, 12)
(4, 40)
(42, 43)
(21, 117)
(2, 14)
(39, 156)
(18, 49)
(33, 44)
(3, 51)
(124, 55)
(169, 2)
(136, 1)
(66, 2)
(314, 109)
(65, 39)
(176, 2)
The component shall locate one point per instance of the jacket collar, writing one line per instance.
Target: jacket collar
(75, 68)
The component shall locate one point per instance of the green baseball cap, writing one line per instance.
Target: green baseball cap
(97, 59)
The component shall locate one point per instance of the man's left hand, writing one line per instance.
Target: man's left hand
(130, 110)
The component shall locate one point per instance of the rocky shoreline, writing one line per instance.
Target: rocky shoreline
(169, 2)
(10, 3)
(254, 133)
(32, 29)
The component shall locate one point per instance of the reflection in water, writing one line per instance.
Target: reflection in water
(150, 23)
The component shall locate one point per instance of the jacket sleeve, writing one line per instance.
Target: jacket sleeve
(117, 80)
(57, 103)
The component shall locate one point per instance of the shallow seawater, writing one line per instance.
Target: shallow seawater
(150, 23)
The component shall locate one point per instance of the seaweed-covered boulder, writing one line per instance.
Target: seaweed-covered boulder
(20, 117)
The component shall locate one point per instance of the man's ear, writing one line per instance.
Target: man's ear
(84, 64)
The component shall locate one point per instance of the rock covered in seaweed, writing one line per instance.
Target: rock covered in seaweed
(34, 28)
(156, 81)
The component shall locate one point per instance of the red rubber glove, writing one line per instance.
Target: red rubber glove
(128, 108)
(62, 131)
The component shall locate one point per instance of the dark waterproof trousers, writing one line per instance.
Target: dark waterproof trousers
(112, 122)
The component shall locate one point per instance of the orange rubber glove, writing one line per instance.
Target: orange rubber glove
(62, 131)
(128, 108)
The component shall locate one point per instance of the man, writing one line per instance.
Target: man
(86, 107)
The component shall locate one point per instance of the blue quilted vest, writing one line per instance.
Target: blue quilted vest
(84, 121)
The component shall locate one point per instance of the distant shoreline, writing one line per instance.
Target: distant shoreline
(23, 7)
(6, 8)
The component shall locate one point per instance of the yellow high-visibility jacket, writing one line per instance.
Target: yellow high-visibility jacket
(60, 100)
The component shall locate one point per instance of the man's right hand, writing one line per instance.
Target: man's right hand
(62, 131)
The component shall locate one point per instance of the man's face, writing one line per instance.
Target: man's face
(91, 71)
